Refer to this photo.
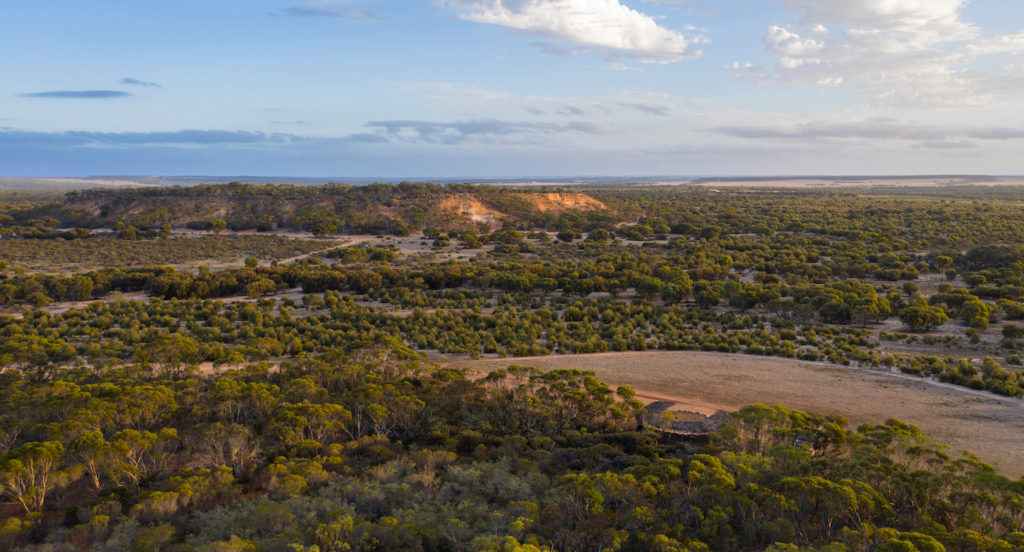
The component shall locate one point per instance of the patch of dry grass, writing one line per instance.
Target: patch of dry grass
(987, 425)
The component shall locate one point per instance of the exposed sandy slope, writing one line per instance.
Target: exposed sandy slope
(472, 208)
(988, 425)
(561, 202)
(556, 202)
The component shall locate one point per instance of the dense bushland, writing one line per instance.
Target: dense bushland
(287, 407)
(371, 450)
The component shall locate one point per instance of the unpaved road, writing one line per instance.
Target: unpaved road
(988, 425)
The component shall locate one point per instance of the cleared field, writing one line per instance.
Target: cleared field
(988, 425)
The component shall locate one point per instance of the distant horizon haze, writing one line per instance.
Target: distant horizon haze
(793, 181)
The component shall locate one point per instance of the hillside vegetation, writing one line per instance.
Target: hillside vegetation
(379, 208)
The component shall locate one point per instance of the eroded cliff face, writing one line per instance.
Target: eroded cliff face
(564, 201)
(473, 208)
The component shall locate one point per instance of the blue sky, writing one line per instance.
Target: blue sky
(511, 88)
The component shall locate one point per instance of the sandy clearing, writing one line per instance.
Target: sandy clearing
(988, 425)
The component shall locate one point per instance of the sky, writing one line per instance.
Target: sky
(511, 88)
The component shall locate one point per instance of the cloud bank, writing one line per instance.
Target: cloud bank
(406, 131)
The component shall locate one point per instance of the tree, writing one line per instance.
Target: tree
(975, 313)
(38, 299)
(871, 307)
(325, 229)
(30, 471)
(1012, 331)
(599, 235)
(863, 312)
(216, 226)
(677, 291)
(235, 544)
(708, 296)
(80, 288)
(260, 287)
(226, 444)
(140, 454)
(173, 351)
(921, 317)
(94, 453)
(470, 239)
(153, 538)
(836, 311)
(710, 232)
(647, 286)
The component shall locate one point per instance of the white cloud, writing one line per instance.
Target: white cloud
(792, 49)
(916, 53)
(999, 44)
(607, 26)
(785, 43)
(919, 21)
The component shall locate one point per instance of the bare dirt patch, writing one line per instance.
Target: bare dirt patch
(988, 425)
(471, 208)
(561, 202)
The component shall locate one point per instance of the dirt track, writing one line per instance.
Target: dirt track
(988, 425)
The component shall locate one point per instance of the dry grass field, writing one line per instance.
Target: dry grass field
(988, 425)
